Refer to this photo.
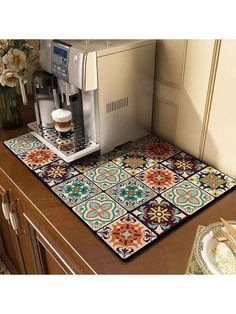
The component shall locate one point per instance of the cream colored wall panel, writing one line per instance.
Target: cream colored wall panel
(170, 61)
(220, 146)
(167, 114)
(193, 99)
(167, 92)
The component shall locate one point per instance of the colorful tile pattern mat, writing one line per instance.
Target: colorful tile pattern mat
(131, 196)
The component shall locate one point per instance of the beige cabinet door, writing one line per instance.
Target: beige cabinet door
(220, 146)
(183, 69)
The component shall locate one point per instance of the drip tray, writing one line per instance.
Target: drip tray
(76, 147)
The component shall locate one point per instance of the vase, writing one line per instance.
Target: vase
(9, 108)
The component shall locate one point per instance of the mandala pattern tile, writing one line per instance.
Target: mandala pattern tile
(159, 178)
(99, 211)
(56, 172)
(38, 157)
(120, 150)
(89, 162)
(149, 139)
(134, 162)
(126, 235)
(213, 181)
(107, 175)
(131, 193)
(76, 190)
(23, 143)
(159, 215)
(184, 165)
(187, 197)
(158, 150)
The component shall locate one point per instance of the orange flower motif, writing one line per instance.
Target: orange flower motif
(156, 177)
(39, 156)
(127, 234)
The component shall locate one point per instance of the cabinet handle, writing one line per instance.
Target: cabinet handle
(14, 218)
(5, 205)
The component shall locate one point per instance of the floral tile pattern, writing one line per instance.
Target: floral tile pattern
(158, 150)
(76, 190)
(131, 193)
(99, 211)
(159, 215)
(213, 181)
(159, 178)
(134, 162)
(89, 162)
(118, 151)
(23, 143)
(56, 172)
(184, 165)
(106, 175)
(126, 235)
(130, 196)
(187, 197)
(38, 157)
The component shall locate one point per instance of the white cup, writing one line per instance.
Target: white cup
(62, 120)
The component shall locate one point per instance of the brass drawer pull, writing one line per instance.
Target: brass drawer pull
(13, 217)
(5, 205)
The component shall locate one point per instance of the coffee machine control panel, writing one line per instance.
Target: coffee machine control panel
(60, 60)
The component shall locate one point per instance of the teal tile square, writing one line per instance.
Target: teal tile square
(131, 193)
(75, 190)
(106, 175)
(187, 197)
(99, 211)
(23, 143)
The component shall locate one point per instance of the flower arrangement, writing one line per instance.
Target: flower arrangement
(15, 55)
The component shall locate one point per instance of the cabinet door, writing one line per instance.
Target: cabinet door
(48, 259)
(10, 249)
(16, 249)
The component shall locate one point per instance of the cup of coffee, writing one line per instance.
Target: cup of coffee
(62, 121)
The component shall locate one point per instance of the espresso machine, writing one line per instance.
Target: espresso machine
(108, 87)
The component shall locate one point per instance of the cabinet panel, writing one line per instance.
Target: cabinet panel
(220, 147)
(189, 98)
(168, 114)
(170, 61)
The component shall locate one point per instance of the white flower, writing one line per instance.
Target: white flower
(9, 78)
(15, 60)
(1, 66)
(4, 43)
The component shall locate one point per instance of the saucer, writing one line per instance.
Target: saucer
(213, 257)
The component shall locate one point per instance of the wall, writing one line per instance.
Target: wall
(193, 79)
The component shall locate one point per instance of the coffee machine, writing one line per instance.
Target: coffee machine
(107, 85)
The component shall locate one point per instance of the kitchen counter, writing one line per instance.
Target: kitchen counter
(74, 239)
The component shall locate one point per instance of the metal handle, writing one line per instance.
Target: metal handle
(6, 210)
(5, 205)
(13, 217)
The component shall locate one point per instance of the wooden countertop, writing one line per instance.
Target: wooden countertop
(167, 256)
